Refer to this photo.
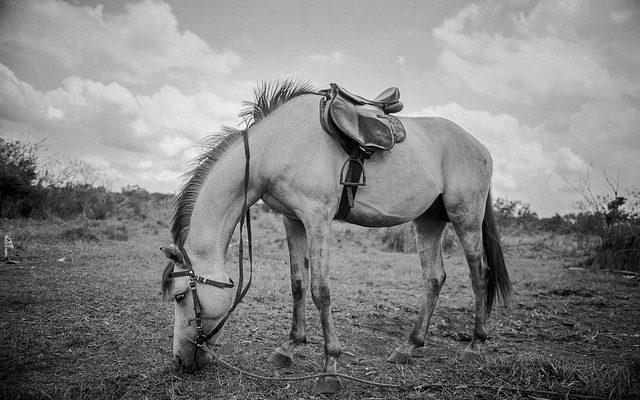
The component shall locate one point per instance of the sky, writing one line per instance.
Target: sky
(551, 88)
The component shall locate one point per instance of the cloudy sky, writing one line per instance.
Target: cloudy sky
(552, 88)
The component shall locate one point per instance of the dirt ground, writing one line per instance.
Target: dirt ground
(85, 319)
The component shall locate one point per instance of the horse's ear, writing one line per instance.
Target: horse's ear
(173, 254)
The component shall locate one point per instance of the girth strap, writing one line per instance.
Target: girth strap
(350, 182)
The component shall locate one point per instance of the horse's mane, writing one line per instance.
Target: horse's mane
(268, 96)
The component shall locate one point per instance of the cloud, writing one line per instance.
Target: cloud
(107, 125)
(111, 88)
(522, 165)
(606, 134)
(569, 67)
(335, 57)
(19, 100)
(141, 46)
(552, 50)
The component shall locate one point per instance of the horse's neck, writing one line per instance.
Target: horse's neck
(218, 209)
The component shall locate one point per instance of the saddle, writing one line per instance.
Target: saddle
(356, 121)
(362, 127)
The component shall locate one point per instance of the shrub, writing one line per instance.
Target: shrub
(116, 232)
(19, 190)
(400, 238)
(28, 191)
(557, 224)
(615, 219)
(514, 214)
(78, 233)
(135, 202)
(619, 233)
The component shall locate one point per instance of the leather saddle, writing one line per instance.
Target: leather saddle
(358, 122)
(362, 127)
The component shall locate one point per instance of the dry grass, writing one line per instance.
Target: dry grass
(93, 326)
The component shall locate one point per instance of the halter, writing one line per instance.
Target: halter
(241, 291)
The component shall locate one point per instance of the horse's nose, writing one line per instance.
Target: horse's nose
(179, 361)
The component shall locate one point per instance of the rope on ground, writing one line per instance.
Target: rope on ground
(297, 378)
(423, 387)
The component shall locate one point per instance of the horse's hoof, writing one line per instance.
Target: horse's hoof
(327, 385)
(279, 359)
(471, 356)
(399, 357)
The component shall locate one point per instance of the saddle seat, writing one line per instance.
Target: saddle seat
(388, 100)
(361, 123)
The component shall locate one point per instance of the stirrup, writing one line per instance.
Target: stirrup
(346, 166)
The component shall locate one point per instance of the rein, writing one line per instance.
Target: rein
(241, 289)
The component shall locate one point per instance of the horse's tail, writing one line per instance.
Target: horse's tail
(498, 283)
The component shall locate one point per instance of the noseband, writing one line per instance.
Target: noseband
(241, 290)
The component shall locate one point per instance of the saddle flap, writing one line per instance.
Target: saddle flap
(366, 125)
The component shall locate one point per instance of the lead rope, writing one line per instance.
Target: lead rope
(422, 387)
(294, 378)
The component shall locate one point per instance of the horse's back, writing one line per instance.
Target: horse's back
(458, 152)
(437, 156)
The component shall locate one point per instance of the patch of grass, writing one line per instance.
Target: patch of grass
(116, 232)
(560, 376)
(620, 248)
(82, 232)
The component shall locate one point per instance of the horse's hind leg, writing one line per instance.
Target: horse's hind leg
(299, 262)
(467, 223)
(429, 230)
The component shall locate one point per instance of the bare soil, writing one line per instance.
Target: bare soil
(85, 319)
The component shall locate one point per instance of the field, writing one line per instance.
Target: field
(82, 317)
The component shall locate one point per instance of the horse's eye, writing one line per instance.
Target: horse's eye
(179, 297)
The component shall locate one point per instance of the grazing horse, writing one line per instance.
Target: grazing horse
(439, 174)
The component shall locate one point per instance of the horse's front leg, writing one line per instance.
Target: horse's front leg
(299, 263)
(318, 234)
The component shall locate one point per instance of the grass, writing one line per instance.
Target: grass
(93, 325)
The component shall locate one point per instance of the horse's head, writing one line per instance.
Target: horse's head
(193, 295)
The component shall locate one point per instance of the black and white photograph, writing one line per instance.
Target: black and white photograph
(298, 199)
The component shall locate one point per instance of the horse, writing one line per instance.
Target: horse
(440, 174)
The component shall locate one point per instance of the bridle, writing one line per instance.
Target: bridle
(241, 290)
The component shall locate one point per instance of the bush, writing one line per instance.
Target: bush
(619, 231)
(19, 190)
(71, 201)
(620, 247)
(78, 233)
(402, 238)
(514, 214)
(27, 191)
(557, 224)
(615, 219)
(135, 202)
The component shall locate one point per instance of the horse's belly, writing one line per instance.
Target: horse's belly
(400, 187)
